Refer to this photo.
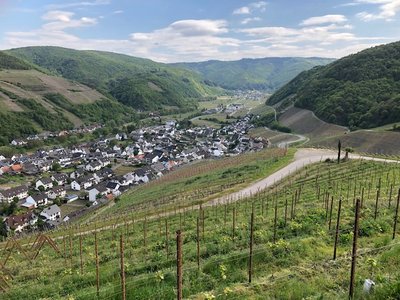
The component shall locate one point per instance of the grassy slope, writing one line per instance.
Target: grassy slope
(26, 106)
(304, 122)
(297, 266)
(358, 91)
(129, 79)
(264, 73)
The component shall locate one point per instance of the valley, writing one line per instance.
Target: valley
(265, 178)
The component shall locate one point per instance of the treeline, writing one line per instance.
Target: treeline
(268, 120)
(101, 111)
(13, 63)
(358, 91)
(153, 91)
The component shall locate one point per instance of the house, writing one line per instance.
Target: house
(30, 169)
(58, 191)
(151, 158)
(16, 168)
(18, 223)
(29, 203)
(100, 189)
(51, 213)
(77, 173)
(18, 142)
(60, 178)
(94, 166)
(83, 183)
(20, 192)
(46, 183)
(113, 186)
(38, 200)
(141, 175)
(71, 198)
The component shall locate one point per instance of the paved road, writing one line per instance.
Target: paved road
(302, 158)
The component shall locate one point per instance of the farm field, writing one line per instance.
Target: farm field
(367, 141)
(305, 122)
(292, 246)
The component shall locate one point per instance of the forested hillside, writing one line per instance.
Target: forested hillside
(146, 84)
(267, 74)
(360, 91)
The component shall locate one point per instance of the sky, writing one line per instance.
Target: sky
(199, 30)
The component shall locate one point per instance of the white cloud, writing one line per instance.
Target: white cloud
(116, 12)
(60, 20)
(388, 9)
(245, 10)
(323, 20)
(248, 20)
(78, 4)
(251, 8)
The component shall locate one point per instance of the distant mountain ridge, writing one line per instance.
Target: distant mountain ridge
(267, 74)
(361, 90)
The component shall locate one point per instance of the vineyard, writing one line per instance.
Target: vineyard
(291, 241)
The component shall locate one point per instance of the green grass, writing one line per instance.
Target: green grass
(297, 266)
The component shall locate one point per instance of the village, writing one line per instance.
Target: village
(53, 180)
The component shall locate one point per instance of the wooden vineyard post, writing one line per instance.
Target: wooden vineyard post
(337, 229)
(202, 223)
(354, 251)
(275, 217)
(362, 197)
(225, 215)
(251, 246)
(179, 264)
(65, 250)
(233, 222)
(286, 210)
(396, 215)
(97, 265)
(376, 202)
(145, 233)
(70, 249)
(390, 195)
(121, 247)
(330, 215)
(80, 252)
(198, 242)
(166, 237)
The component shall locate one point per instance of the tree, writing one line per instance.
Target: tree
(3, 229)
(56, 167)
(348, 150)
(339, 151)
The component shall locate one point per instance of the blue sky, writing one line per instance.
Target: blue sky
(194, 30)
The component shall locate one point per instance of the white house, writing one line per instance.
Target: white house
(20, 192)
(60, 178)
(58, 191)
(82, 183)
(46, 183)
(97, 190)
(51, 213)
(94, 166)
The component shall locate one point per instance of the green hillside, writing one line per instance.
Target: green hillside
(146, 84)
(31, 102)
(360, 91)
(262, 74)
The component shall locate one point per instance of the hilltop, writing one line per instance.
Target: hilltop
(359, 91)
(139, 83)
(267, 74)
